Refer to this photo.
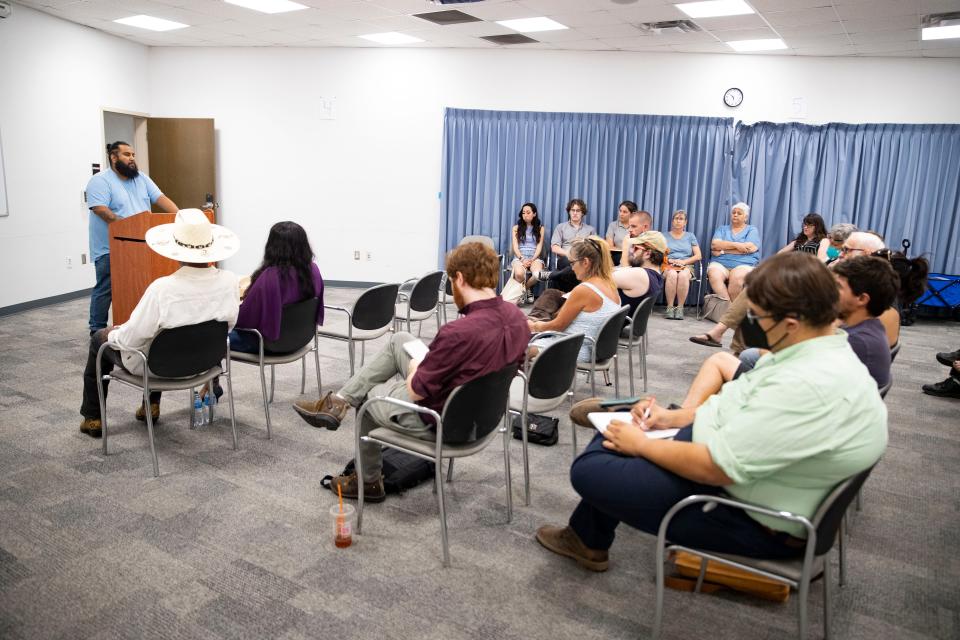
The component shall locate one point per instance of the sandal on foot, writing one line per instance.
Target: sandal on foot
(705, 340)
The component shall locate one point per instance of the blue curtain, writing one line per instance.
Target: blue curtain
(900, 180)
(494, 161)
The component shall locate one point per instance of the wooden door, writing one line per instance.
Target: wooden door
(182, 160)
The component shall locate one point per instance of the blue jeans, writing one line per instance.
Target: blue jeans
(245, 341)
(615, 488)
(101, 297)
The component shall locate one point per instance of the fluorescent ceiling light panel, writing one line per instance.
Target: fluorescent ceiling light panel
(391, 37)
(268, 6)
(941, 33)
(151, 23)
(715, 8)
(767, 44)
(531, 25)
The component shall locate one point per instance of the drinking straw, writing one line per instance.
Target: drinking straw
(340, 495)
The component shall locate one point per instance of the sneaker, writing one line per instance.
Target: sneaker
(678, 313)
(372, 491)
(141, 415)
(565, 542)
(947, 358)
(328, 412)
(668, 314)
(92, 427)
(543, 276)
(949, 388)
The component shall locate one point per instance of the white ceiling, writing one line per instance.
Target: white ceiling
(809, 27)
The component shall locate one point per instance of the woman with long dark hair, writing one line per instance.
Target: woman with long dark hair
(812, 237)
(527, 236)
(287, 274)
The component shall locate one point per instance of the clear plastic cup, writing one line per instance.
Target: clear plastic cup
(343, 524)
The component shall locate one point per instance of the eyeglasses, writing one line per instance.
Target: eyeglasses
(809, 224)
(573, 262)
(845, 249)
(576, 209)
(753, 316)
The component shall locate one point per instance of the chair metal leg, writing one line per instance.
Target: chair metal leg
(701, 576)
(450, 470)
(506, 464)
(233, 417)
(352, 352)
(859, 503)
(842, 556)
(630, 367)
(103, 407)
(803, 590)
(153, 447)
(827, 611)
(658, 605)
(438, 482)
(524, 439)
(266, 403)
(643, 362)
(616, 375)
(593, 380)
(363, 352)
(272, 382)
(316, 362)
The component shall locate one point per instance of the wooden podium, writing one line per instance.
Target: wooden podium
(133, 265)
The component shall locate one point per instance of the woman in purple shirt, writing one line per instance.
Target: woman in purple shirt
(287, 274)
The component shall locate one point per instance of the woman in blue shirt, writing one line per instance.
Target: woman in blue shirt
(736, 251)
(684, 252)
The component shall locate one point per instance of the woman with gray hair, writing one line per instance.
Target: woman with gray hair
(837, 236)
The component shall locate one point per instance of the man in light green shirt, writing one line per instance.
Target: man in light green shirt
(782, 435)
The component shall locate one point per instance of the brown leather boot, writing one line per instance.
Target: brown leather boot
(92, 427)
(328, 412)
(565, 542)
(372, 491)
(141, 415)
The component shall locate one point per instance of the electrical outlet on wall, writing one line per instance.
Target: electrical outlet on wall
(69, 262)
(83, 258)
(369, 256)
(356, 254)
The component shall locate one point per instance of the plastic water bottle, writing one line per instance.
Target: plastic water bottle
(209, 402)
(197, 420)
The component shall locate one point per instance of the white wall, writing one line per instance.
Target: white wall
(55, 78)
(369, 179)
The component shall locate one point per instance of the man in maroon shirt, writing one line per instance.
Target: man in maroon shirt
(490, 335)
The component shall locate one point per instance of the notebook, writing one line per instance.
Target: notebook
(600, 420)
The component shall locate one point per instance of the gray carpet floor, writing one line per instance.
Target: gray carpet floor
(238, 544)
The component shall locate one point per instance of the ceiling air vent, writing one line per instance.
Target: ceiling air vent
(668, 27)
(444, 18)
(510, 38)
(941, 19)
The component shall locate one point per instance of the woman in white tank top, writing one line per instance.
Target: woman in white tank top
(592, 301)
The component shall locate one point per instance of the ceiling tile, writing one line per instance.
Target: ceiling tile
(813, 30)
(587, 19)
(729, 23)
(876, 9)
(803, 17)
(899, 35)
(745, 34)
(882, 24)
(612, 31)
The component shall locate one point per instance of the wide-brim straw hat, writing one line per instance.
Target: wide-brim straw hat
(192, 238)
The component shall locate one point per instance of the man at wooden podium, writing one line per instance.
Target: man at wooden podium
(112, 195)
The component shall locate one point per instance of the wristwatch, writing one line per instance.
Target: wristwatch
(721, 251)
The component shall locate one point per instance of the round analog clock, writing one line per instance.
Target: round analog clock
(733, 97)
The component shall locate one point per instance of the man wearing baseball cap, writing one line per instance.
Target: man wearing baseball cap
(195, 293)
(642, 279)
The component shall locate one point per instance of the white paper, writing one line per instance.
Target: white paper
(600, 420)
(416, 349)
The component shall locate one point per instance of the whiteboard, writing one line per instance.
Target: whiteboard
(4, 209)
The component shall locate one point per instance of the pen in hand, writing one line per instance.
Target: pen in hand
(646, 414)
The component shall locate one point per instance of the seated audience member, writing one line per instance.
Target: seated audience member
(619, 229)
(287, 275)
(837, 235)
(812, 237)
(591, 302)
(527, 247)
(734, 315)
(642, 279)
(736, 250)
(868, 287)
(684, 253)
(193, 294)
(949, 388)
(739, 442)
(563, 237)
(491, 335)
(640, 222)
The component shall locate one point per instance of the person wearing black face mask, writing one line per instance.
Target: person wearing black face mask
(754, 441)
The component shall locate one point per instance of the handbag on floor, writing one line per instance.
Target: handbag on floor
(714, 307)
(401, 471)
(540, 429)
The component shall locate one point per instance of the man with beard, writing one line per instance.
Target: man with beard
(491, 335)
(642, 279)
(112, 195)
(639, 222)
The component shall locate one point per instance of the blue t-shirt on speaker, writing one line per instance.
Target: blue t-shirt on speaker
(124, 197)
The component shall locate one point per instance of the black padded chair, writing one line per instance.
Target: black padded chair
(370, 317)
(821, 531)
(467, 425)
(180, 358)
(894, 351)
(418, 299)
(543, 385)
(298, 337)
(637, 336)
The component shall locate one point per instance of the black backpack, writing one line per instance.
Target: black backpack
(401, 471)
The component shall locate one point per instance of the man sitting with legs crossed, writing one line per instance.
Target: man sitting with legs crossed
(491, 335)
